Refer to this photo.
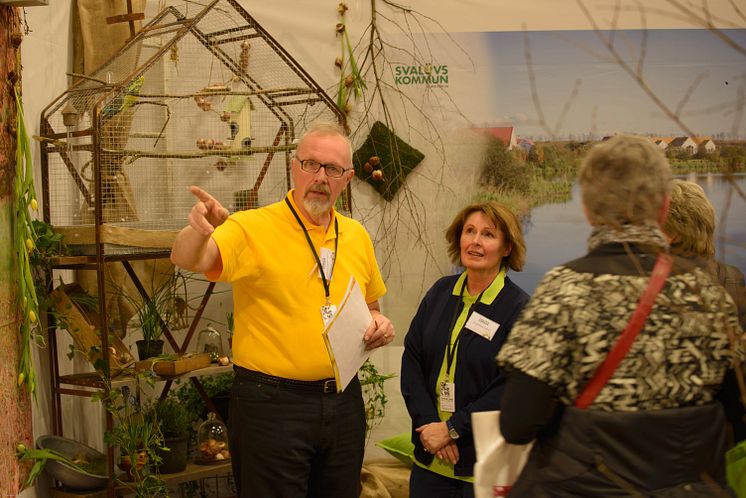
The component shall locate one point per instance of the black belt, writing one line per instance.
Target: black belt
(325, 386)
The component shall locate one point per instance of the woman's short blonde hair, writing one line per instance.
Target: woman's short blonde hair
(624, 180)
(504, 219)
(691, 220)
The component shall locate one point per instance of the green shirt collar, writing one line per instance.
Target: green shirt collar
(490, 293)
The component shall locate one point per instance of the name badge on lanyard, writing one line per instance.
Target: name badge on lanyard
(327, 258)
(447, 398)
(481, 325)
(327, 313)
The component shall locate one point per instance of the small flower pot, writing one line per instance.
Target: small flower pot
(149, 349)
(174, 460)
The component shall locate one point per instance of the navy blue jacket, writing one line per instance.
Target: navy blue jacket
(477, 379)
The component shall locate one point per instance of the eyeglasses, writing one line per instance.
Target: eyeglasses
(332, 170)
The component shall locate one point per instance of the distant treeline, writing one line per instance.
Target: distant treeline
(546, 172)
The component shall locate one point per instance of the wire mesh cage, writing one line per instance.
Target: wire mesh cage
(209, 99)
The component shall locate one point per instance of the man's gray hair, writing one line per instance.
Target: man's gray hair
(327, 128)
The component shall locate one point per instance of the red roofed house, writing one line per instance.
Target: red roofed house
(705, 144)
(506, 134)
(683, 143)
(661, 142)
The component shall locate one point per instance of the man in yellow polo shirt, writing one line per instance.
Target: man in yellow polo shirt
(291, 434)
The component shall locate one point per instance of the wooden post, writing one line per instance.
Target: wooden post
(16, 407)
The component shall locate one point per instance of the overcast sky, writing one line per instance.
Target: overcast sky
(607, 99)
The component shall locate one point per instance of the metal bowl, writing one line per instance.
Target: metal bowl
(68, 475)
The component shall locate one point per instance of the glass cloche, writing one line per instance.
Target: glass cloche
(212, 441)
(210, 341)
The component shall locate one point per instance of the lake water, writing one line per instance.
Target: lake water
(558, 233)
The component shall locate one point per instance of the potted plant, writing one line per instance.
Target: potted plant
(176, 424)
(153, 316)
(137, 434)
(216, 387)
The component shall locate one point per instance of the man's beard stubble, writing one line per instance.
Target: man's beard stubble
(317, 207)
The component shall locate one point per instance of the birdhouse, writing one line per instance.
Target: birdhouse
(187, 101)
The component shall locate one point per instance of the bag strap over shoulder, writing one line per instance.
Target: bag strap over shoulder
(626, 338)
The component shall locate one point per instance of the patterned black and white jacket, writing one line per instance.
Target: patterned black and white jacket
(679, 359)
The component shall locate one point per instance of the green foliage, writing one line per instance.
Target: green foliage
(216, 385)
(23, 245)
(155, 313)
(733, 158)
(40, 457)
(374, 395)
(173, 417)
(49, 244)
(516, 201)
(393, 157)
(137, 434)
(501, 169)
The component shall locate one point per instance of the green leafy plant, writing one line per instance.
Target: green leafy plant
(173, 417)
(374, 395)
(39, 457)
(155, 313)
(25, 235)
(137, 434)
(214, 386)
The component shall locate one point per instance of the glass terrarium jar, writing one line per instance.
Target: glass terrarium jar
(212, 441)
(210, 341)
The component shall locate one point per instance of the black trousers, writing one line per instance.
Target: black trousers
(291, 443)
(426, 484)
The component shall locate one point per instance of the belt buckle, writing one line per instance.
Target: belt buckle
(330, 386)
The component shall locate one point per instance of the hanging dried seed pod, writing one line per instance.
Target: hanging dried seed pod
(342, 8)
(340, 27)
(338, 62)
(348, 80)
(244, 57)
(367, 167)
(377, 175)
(374, 161)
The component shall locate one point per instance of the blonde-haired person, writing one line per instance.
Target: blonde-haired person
(690, 225)
(655, 428)
(448, 366)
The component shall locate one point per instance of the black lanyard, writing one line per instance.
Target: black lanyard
(313, 249)
(451, 352)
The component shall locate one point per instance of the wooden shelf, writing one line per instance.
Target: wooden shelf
(192, 472)
(93, 379)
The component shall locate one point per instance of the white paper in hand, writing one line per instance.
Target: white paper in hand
(344, 335)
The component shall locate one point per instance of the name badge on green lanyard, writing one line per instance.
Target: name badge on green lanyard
(447, 397)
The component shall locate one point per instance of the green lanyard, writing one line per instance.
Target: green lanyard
(451, 352)
(326, 282)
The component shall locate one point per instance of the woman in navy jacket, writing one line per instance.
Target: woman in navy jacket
(448, 366)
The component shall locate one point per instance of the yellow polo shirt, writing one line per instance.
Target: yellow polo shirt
(277, 289)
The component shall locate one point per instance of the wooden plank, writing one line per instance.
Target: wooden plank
(83, 327)
(177, 366)
(123, 236)
(137, 16)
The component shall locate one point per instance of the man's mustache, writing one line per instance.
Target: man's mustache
(319, 188)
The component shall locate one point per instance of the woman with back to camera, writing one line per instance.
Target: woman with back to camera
(448, 366)
(690, 226)
(654, 429)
